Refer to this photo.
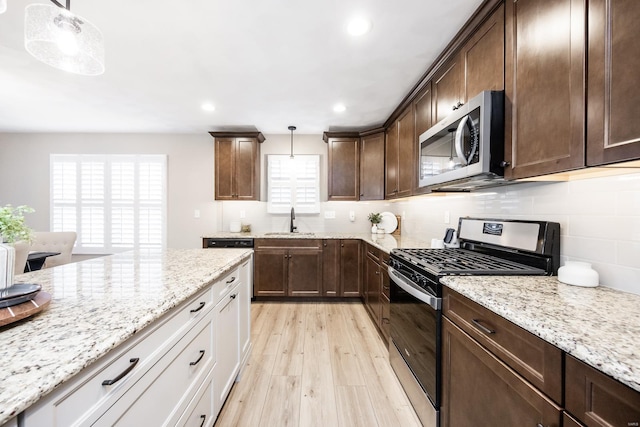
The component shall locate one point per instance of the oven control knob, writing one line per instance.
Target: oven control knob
(394, 263)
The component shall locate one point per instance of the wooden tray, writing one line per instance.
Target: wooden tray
(29, 308)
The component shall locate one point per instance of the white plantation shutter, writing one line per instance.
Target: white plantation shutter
(293, 182)
(113, 202)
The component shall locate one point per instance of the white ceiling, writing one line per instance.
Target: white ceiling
(262, 63)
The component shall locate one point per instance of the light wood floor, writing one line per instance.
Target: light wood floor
(316, 364)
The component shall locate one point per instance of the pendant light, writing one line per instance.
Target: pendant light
(291, 128)
(57, 37)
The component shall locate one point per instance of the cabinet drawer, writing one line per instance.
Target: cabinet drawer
(373, 252)
(200, 411)
(87, 398)
(225, 284)
(162, 394)
(532, 357)
(597, 399)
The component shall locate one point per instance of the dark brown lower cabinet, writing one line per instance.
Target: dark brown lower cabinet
(341, 268)
(481, 391)
(598, 400)
(569, 421)
(376, 288)
(287, 267)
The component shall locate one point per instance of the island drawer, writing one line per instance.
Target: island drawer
(200, 412)
(164, 392)
(532, 357)
(86, 397)
(225, 284)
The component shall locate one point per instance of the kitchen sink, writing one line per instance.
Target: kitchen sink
(288, 233)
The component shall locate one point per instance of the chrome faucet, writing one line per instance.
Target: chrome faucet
(293, 228)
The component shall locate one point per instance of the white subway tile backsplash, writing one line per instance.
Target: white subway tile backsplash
(628, 253)
(582, 249)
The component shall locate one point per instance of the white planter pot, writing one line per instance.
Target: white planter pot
(7, 266)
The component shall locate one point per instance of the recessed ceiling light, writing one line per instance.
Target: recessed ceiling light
(339, 108)
(207, 106)
(358, 26)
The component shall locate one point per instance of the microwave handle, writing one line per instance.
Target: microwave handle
(466, 120)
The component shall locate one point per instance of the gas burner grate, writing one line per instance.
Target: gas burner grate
(461, 261)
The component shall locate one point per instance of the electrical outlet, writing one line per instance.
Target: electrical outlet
(243, 214)
(329, 214)
(352, 216)
(196, 213)
(447, 217)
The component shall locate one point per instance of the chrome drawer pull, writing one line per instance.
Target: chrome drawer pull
(133, 362)
(202, 304)
(482, 327)
(199, 359)
(204, 417)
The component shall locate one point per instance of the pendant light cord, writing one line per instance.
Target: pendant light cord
(292, 128)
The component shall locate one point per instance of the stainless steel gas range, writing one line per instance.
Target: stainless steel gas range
(487, 247)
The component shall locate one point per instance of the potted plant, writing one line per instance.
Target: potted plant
(12, 226)
(12, 231)
(374, 219)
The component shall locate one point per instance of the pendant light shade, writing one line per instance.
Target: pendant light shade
(63, 40)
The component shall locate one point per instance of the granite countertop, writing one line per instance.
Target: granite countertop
(385, 242)
(599, 326)
(107, 300)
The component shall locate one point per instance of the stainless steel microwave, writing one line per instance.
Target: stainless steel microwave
(465, 151)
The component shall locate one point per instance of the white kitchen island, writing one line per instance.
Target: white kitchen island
(168, 309)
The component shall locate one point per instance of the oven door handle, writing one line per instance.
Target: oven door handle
(405, 285)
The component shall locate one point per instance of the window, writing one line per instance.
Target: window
(293, 183)
(114, 202)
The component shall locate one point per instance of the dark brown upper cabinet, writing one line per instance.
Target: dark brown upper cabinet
(423, 110)
(483, 57)
(544, 87)
(400, 156)
(372, 166)
(344, 168)
(613, 128)
(237, 165)
(447, 88)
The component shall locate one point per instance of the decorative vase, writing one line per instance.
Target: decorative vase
(381, 230)
(374, 228)
(7, 266)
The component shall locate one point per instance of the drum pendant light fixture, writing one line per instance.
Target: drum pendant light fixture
(57, 37)
(291, 128)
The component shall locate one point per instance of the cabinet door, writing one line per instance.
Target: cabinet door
(247, 169)
(372, 167)
(344, 169)
(480, 391)
(422, 110)
(305, 272)
(447, 88)
(227, 334)
(372, 288)
(224, 168)
(330, 267)
(597, 399)
(407, 149)
(613, 128)
(351, 267)
(245, 287)
(483, 57)
(270, 272)
(544, 105)
(391, 162)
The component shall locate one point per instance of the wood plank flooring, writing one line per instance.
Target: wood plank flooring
(316, 364)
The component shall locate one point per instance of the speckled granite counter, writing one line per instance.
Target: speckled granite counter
(385, 242)
(97, 305)
(599, 326)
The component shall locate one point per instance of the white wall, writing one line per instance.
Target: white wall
(599, 219)
(261, 221)
(24, 174)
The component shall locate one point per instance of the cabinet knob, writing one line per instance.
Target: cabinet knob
(361, 194)
(504, 164)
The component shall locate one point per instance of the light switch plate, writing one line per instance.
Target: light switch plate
(196, 213)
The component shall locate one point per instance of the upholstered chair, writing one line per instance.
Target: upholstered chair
(54, 241)
(22, 251)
